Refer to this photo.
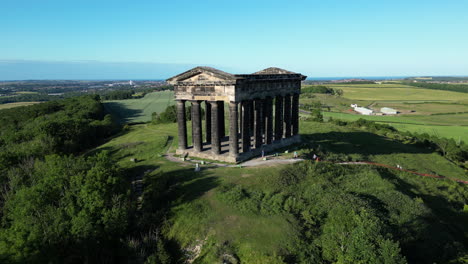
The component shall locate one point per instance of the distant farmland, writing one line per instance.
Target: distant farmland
(436, 112)
(139, 110)
(396, 92)
(447, 126)
(17, 104)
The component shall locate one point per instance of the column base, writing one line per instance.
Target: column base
(225, 156)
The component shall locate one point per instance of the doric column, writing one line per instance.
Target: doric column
(287, 116)
(268, 105)
(246, 126)
(240, 118)
(278, 117)
(264, 114)
(181, 124)
(215, 140)
(295, 114)
(258, 115)
(208, 122)
(222, 129)
(196, 126)
(252, 119)
(233, 130)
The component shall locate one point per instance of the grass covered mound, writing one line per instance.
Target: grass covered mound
(325, 212)
(306, 212)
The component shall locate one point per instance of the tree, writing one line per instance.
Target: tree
(338, 92)
(168, 116)
(67, 208)
(316, 115)
(440, 142)
(356, 236)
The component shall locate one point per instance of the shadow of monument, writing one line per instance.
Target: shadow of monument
(164, 190)
(122, 113)
(364, 143)
(436, 236)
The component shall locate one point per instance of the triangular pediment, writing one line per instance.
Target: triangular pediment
(203, 77)
(202, 74)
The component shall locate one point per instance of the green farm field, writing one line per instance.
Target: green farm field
(12, 105)
(26, 92)
(435, 112)
(139, 110)
(448, 126)
(426, 108)
(396, 92)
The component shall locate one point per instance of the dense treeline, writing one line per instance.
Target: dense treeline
(55, 207)
(170, 115)
(462, 88)
(65, 210)
(123, 94)
(320, 89)
(64, 126)
(34, 97)
(120, 95)
(356, 82)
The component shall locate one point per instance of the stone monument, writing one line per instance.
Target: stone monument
(263, 112)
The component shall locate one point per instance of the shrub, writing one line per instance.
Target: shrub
(168, 116)
(316, 115)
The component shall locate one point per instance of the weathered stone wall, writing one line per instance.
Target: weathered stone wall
(206, 92)
(243, 90)
(261, 89)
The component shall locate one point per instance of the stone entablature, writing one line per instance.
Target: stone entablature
(206, 83)
(263, 106)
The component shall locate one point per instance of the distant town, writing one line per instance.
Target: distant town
(46, 90)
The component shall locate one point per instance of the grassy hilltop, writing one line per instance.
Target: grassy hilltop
(308, 212)
(291, 214)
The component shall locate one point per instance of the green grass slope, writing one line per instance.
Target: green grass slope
(139, 110)
(302, 213)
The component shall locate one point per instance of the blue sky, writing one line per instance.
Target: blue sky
(317, 38)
